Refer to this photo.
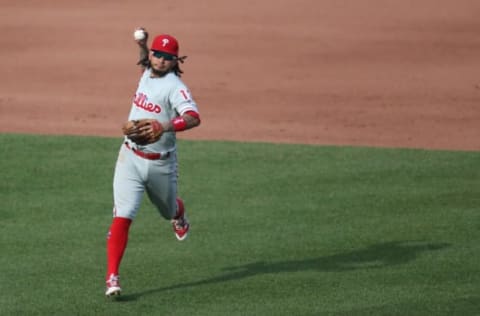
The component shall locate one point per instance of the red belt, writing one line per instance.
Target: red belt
(149, 156)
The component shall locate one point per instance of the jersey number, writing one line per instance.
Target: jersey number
(185, 94)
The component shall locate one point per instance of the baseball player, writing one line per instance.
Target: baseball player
(147, 161)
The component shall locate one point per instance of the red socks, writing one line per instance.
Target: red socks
(117, 243)
(180, 208)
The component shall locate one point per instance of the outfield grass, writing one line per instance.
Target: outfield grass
(276, 230)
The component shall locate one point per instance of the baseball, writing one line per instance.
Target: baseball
(139, 35)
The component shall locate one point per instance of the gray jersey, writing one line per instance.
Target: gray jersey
(162, 99)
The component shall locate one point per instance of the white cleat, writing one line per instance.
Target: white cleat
(113, 286)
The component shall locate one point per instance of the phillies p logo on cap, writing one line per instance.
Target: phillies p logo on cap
(165, 43)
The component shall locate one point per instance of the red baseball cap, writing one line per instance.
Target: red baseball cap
(165, 43)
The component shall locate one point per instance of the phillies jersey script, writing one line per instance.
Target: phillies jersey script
(162, 99)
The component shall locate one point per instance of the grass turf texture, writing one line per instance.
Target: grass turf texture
(276, 230)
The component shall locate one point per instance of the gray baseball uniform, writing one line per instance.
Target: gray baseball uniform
(162, 99)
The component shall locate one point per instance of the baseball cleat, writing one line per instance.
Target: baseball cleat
(181, 227)
(113, 286)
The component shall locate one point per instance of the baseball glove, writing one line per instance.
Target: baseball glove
(144, 131)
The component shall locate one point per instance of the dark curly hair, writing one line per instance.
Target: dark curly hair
(176, 69)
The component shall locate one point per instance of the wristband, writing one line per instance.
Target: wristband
(179, 124)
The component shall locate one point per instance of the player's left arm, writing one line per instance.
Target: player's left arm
(187, 120)
(188, 115)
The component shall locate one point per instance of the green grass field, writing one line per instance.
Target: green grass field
(276, 230)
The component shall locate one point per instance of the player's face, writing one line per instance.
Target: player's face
(161, 63)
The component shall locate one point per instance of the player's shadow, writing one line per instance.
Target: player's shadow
(373, 257)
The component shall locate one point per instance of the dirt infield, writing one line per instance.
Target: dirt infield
(395, 73)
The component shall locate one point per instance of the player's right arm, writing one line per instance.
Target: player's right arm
(143, 50)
